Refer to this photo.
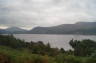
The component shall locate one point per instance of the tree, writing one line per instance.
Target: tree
(84, 47)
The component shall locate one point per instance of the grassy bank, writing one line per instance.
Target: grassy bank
(14, 50)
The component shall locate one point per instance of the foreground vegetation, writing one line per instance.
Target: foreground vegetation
(14, 50)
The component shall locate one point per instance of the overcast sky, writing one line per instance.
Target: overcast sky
(30, 13)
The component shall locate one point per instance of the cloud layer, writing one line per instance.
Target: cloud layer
(28, 13)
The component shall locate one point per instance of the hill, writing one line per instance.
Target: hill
(13, 30)
(85, 28)
(77, 28)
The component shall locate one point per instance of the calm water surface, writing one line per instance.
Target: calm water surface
(60, 41)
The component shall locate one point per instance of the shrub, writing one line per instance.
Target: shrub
(4, 58)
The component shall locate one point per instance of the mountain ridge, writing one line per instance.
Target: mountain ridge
(79, 27)
(85, 28)
(13, 30)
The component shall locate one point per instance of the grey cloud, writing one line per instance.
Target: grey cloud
(45, 12)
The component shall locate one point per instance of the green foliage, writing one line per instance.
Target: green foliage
(21, 56)
(11, 41)
(68, 59)
(91, 60)
(84, 47)
(14, 50)
(34, 47)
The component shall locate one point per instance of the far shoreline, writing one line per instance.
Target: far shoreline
(51, 34)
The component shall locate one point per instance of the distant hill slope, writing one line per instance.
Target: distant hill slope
(2, 31)
(77, 28)
(88, 28)
(14, 30)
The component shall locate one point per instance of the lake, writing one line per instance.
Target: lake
(59, 41)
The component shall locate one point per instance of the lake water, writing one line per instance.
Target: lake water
(60, 41)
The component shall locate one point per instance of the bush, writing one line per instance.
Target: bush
(4, 58)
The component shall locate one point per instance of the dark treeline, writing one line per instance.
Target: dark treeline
(14, 50)
(84, 47)
(35, 47)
